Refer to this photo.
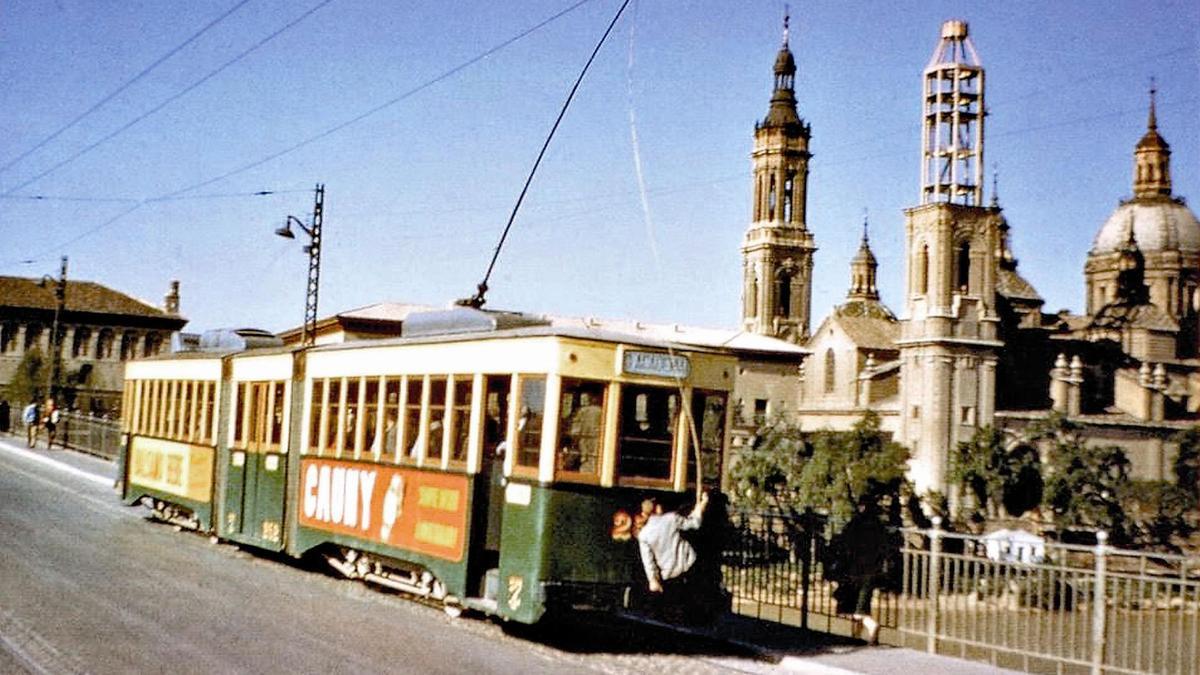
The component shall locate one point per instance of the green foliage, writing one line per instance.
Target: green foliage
(831, 472)
(1159, 510)
(995, 474)
(1187, 462)
(1085, 485)
(29, 381)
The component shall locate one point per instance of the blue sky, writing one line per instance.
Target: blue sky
(418, 192)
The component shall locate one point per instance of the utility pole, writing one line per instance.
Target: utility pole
(60, 297)
(313, 249)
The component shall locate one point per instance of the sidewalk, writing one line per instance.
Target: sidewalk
(795, 650)
(787, 648)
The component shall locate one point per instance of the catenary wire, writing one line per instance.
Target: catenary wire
(258, 45)
(128, 83)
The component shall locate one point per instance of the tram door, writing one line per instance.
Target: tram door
(489, 492)
(257, 476)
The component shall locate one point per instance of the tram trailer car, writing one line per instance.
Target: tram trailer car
(487, 467)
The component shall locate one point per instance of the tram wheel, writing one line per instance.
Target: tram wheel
(452, 609)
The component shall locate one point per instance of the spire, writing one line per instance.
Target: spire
(1152, 158)
(786, 18)
(995, 186)
(862, 269)
(783, 100)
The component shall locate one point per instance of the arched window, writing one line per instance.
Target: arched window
(788, 186)
(922, 280)
(783, 284)
(830, 371)
(33, 333)
(104, 344)
(771, 199)
(962, 279)
(128, 345)
(8, 336)
(79, 343)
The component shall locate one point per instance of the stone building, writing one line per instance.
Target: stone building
(99, 330)
(777, 252)
(973, 346)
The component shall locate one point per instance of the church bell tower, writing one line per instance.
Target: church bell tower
(778, 249)
(949, 333)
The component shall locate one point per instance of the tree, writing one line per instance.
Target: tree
(1086, 484)
(29, 381)
(995, 474)
(831, 472)
(1187, 462)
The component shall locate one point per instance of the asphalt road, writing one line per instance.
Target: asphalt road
(88, 585)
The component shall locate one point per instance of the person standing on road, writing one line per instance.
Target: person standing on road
(50, 421)
(30, 417)
(859, 555)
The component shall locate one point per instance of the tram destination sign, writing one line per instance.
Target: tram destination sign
(656, 364)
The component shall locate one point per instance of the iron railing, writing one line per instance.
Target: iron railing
(1039, 607)
(87, 433)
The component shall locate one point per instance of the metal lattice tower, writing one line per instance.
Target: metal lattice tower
(952, 137)
(314, 268)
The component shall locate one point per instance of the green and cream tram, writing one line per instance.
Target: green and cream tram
(484, 460)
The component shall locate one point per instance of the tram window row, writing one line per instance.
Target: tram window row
(179, 410)
(458, 421)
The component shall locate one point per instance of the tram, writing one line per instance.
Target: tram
(483, 460)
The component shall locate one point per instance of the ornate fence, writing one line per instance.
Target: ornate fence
(1039, 607)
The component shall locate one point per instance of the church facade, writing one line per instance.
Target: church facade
(972, 346)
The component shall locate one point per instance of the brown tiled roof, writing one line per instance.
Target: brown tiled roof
(870, 332)
(1010, 284)
(81, 296)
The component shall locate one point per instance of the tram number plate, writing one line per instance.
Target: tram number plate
(656, 364)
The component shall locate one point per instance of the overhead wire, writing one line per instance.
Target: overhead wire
(386, 104)
(481, 290)
(171, 196)
(128, 83)
(171, 99)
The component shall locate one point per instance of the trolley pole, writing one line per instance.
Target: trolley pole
(313, 249)
(60, 299)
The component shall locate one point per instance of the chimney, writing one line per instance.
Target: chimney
(171, 299)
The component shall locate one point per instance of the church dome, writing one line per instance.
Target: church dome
(1158, 225)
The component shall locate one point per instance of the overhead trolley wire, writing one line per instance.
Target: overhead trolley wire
(478, 299)
(128, 83)
(386, 104)
(178, 194)
(258, 45)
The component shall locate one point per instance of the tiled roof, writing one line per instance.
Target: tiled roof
(81, 296)
(870, 332)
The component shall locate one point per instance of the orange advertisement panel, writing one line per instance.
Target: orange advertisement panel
(416, 510)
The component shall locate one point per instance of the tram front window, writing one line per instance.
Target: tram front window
(646, 444)
(529, 420)
(581, 426)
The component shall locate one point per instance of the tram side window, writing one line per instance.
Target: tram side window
(314, 415)
(708, 407)
(370, 417)
(495, 421)
(529, 422)
(239, 415)
(391, 415)
(350, 427)
(276, 422)
(437, 413)
(646, 441)
(581, 426)
(333, 410)
(206, 419)
(412, 418)
(461, 418)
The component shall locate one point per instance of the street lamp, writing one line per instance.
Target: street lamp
(60, 296)
(313, 249)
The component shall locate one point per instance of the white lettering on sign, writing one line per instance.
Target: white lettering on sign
(339, 495)
(656, 364)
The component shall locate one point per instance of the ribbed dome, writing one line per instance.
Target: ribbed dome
(1158, 225)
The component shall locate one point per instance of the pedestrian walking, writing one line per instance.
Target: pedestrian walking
(50, 421)
(858, 557)
(30, 417)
